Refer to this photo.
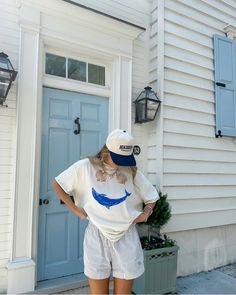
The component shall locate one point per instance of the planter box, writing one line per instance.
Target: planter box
(160, 272)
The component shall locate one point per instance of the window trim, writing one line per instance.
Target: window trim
(87, 60)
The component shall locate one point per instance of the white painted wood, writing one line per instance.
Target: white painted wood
(201, 193)
(198, 142)
(182, 114)
(204, 205)
(132, 11)
(189, 103)
(207, 219)
(9, 33)
(196, 164)
(230, 31)
(195, 153)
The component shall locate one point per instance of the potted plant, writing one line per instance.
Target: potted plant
(160, 253)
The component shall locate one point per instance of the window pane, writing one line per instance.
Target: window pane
(96, 74)
(76, 70)
(55, 65)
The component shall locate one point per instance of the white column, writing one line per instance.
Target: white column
(125, 93)
(21, 268)
(121, 94)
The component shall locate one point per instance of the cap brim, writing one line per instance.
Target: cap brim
(123, 160)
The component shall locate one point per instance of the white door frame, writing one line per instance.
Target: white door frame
(35, 36)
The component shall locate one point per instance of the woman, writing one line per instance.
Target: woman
(109, 191)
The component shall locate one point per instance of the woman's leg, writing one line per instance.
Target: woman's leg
(122, 286)
(100, 286)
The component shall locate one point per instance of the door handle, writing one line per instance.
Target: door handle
(220, 84)
(76, 121)
(45, 202)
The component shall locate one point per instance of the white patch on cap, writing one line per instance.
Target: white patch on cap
(120, 142)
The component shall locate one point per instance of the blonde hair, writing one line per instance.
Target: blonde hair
(100, 158)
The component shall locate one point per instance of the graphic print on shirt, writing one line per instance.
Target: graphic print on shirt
(106, 201)
(103, 176)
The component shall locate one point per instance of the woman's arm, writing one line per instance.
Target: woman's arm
(147, 211)
(60, 193)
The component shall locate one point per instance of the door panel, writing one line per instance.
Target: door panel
(60, 240)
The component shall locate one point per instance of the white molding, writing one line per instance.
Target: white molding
(160, 90)
(21, 276)
(230, 31)
(114, 107)
(77, 86)
(21, 267)
(125, 93)
(95, 21)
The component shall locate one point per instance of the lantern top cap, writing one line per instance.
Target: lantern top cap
(147, 88)
(2, 54)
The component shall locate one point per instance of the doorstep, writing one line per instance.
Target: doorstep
(60, 284)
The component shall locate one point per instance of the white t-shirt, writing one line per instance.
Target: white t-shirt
(112, 199)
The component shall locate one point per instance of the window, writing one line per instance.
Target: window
(55, 65)
(74, 69)
(96, 74)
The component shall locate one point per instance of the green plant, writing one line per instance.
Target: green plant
(160, 216)
(161, 212)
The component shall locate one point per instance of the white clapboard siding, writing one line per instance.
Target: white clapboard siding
(202, 192)
(128, 10)
(190, 103)
(203, 205)
(199, 170)
(5, 204)
(188, 221)
(9, 39)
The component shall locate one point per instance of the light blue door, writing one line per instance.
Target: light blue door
(61, 233)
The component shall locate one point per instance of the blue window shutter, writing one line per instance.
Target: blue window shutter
(225, 85)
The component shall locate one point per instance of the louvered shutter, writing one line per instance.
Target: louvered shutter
(225, 85)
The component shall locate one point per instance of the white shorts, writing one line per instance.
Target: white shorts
(102, 258)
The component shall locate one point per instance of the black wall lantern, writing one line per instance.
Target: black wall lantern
(146, 105)
(7, 76)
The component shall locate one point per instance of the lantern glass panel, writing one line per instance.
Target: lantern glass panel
(5, 64)
(5, 79)
(140, 111)
(151, 109)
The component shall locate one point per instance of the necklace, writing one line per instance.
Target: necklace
(103, 174)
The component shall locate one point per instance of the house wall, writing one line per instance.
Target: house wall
(198, 168)
(9, 39)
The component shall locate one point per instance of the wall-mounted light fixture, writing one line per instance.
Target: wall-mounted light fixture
(7, 76)
(146, 105)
